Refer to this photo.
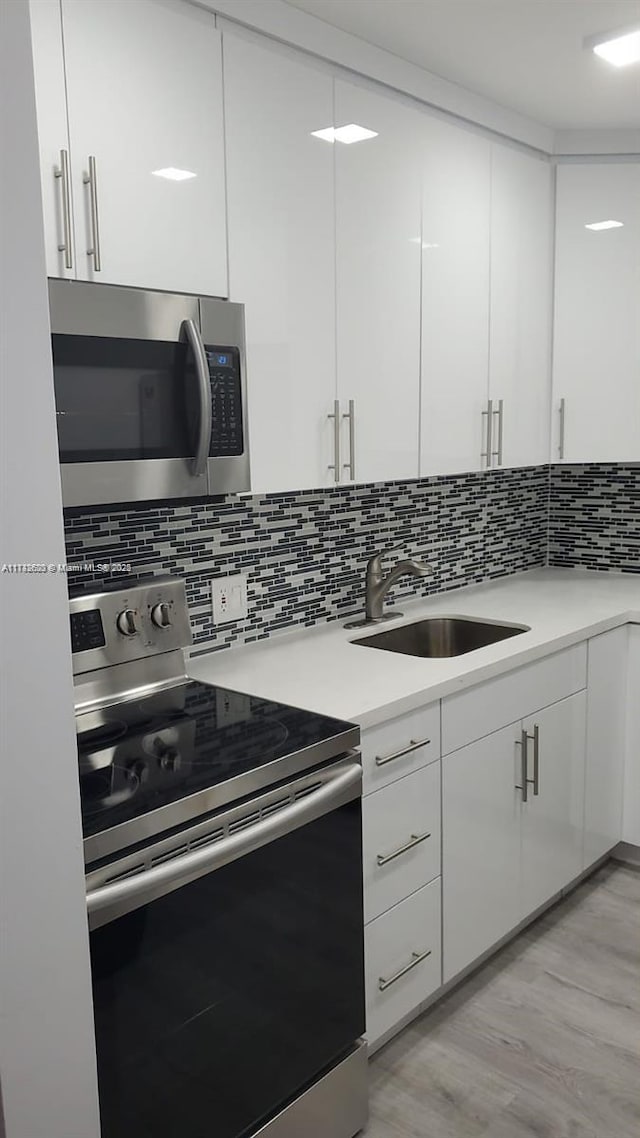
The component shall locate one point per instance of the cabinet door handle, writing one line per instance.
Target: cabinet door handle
(62, 172)
(416, 958)
(523, 785)
(383, 859)
(91, 180)
(351, 416)
(500, 413)
(382, 760)
(335, 465)
(536, 760)
(561, 436)
(524, 745)
(489, 415)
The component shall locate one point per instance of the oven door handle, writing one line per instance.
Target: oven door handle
(192, 333)
(339, 786)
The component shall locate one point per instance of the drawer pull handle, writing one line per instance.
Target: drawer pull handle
(382, 859)
(381, 761)
(416, 958)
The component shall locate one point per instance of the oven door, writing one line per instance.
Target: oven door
(228, 967)
(132, 392)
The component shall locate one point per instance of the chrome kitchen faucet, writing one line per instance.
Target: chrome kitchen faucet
(377, 585)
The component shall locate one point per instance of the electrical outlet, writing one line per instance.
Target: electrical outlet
(231, 707)
(229, 597)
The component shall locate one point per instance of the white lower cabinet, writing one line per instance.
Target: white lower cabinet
(631, 810)
(553, 816)
(402, 960)
(512, 817)
(481, 846)
(401, 839)
(459, 850)
(400, 746)
(607, 732)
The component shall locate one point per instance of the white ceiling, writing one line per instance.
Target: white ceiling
(525, 54)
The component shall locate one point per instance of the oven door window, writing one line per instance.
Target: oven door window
(219, 1002)
(119, 399)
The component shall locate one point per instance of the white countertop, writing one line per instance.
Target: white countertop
(323, 670)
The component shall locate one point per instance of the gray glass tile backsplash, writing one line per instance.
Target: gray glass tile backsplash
(305, 553)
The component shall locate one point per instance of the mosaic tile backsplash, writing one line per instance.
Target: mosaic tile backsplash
(594, 519)
(305, 553)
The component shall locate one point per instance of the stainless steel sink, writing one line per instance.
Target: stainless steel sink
(441, 636)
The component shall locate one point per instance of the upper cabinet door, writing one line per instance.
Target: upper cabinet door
(456, 216)
(521, 306)
(144, 90)
(55, 152)
(597, 314)
(282, 257)
(378, 284)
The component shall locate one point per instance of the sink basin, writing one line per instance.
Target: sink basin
(441, 636)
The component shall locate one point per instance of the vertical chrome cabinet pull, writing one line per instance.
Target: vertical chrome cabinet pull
(561, 437)
(335, 465)
(91, 181)
(351, 416)
(536, 760)
(62, 172)
(525, 781)
(416, 958)
(489, 415)
(523, 785)
(500, 413)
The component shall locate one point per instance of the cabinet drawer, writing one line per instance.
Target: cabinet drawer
(400, 746)
(402, 959)
(401, 838)
(494, 704)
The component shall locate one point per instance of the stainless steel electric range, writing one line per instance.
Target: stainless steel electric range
(222, 841)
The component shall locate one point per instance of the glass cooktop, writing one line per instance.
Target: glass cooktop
(138, 756)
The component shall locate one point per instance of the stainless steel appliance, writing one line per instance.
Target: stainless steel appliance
(223, 851)
(150, 394)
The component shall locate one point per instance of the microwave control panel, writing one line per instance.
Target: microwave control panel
(226, 402)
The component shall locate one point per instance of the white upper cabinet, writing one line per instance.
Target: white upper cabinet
(55, 156)
(143, 94)
(596, 369)
(282, 257)
(521, 306)
(456, 217)
(378, 284)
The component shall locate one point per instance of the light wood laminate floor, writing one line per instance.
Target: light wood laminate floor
(544, 1040)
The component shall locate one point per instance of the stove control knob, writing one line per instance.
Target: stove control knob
(127, 622)
(161, 615)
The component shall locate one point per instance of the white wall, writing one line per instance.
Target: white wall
(47, 1060)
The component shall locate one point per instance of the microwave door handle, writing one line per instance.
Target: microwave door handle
(194, 339)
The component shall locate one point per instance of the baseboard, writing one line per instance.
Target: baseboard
(628, 853)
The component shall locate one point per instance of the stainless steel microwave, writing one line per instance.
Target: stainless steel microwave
(150, 394)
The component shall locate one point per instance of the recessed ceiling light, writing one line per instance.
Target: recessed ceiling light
(605, 224)
(173, 174)
(347, 134)
(619, 48)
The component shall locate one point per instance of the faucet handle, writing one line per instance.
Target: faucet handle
(377, 558)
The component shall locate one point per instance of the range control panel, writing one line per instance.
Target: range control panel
(226, 402)
(128, 622)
